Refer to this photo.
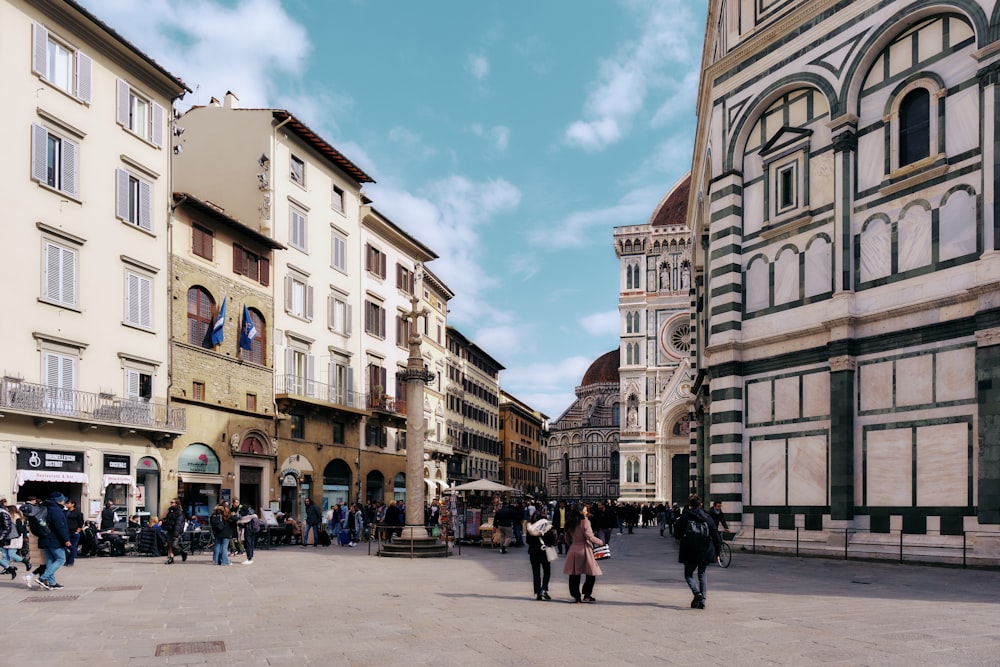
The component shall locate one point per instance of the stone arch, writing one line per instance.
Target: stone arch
(850, 92)
(741, 131)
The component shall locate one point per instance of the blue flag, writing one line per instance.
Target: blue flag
(247, 330)
(220, 321)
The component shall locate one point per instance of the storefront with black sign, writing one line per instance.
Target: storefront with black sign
(117, 480)
(43, 471)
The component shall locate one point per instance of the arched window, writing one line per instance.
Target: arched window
(615, 464)
(616, 414)
(257, 354)
(914, 126)
(201, 307)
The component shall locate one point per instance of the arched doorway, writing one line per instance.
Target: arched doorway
(254, 465)
(375, 487)
(336, 483)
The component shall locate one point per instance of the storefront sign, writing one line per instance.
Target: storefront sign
(49, 461)
(198, 459)
(289, 480)
(117, 464)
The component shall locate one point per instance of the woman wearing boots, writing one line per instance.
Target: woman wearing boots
(540, 534)
(173, 528)
(580, 557)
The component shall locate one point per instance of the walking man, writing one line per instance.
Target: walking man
(700, 545)
(56, 542)
(503, 521)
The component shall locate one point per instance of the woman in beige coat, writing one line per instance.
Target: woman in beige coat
(580, 556)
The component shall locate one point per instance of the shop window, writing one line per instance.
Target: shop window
(298, 424)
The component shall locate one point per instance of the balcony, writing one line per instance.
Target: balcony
(47, 404)
(300, 388)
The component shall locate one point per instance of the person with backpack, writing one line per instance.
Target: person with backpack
(249, 522)
(36, 521)
(700, 544)
(55, 543)
(8, 531)
(222, 532)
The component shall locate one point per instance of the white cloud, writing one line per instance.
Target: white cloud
(582, 228)
(669, 39)
(412, 143)
(448, 216)
(246, 47)
(478, 65)
(601, 324)
(498, 135)
(547, 376)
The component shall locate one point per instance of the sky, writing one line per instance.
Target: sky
(509, 136)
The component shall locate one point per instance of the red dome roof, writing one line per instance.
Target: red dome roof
(673, 209)
(604, 369)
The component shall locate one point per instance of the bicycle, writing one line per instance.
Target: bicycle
(725, 556)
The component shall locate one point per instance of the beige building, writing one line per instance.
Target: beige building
(473, 410)
(222, 359)
(268, 169)
(434, 297)
(85, 388)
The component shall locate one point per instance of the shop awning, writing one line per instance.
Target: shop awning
(49, 476)
(107, 480)
(196, 478)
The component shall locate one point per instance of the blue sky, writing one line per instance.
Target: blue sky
(510, 136)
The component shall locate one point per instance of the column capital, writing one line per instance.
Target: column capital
(842, 363)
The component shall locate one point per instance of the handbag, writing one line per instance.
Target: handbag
(602, 552)
(551, 553)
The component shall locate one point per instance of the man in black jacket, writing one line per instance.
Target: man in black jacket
(314, 516)
(74, 524)
(503, 521)
(55, 543)
(700, 545)
(173, 528)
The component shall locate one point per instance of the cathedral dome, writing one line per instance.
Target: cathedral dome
(604, 369)
(673, 208)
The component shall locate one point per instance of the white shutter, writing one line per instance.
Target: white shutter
(68, 168)
(68, 276)
(132, 298)
(50, 271)
(309, 303)
(146, 205)
(122, 107)
(289, 369)
(39, 49)
(84, 67)
(288, 294)
(157, 129)
(347, 320)
(39, 153)
(51, 369)
(146, 302)
(350, 382)
(310, 375)
(131, 383)
(122, 194)
(331, 315)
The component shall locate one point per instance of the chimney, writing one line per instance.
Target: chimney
(232, 102)
(214, 102)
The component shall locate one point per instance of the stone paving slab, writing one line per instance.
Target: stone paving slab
(342, 606)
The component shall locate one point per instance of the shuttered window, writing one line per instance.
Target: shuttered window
(140, 115)
(200, 308)
(138, 300)
(59, 273)
(133, 201)
(202, 242)
(54, 160)
(61, 65)
(297, 229)
(250, 264)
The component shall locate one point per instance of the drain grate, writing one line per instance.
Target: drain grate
(186, 648)
(118, 588)
(51, 598)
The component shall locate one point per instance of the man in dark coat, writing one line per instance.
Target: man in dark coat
(173, 528)
(698, 548)
(314, 516)
(107, 517)
(56, 542)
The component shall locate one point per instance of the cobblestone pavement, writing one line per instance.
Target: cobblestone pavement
(341, 606)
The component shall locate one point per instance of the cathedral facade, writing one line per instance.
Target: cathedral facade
(846, 273)
(655, 374)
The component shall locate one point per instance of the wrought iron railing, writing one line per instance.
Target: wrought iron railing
(44, 401)
(387, 404)
(296, 385)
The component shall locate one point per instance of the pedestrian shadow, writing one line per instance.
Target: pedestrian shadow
(531, 598)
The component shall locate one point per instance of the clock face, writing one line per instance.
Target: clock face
(675, 337)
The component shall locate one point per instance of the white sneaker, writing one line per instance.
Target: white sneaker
(248, 562)
(352, 544)
(28, 580)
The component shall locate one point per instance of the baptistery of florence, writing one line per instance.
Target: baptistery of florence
(846, 276)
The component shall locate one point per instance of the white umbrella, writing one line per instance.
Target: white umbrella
(481, 485)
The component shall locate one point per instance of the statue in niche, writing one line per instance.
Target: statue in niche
(686, 277)
(664, 277)
(633, 416)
